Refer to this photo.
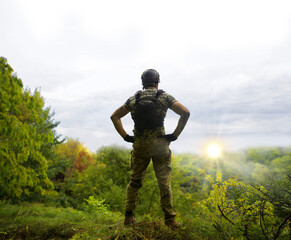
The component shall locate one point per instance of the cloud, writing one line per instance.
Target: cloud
(228, 62)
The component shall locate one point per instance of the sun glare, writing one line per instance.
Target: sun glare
(214, 150)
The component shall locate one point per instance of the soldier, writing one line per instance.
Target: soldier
(148, 110)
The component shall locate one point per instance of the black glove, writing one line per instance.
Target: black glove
(170, 137)
(128, 138)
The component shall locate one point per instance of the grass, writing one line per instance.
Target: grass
(37, 221)
(143, 230)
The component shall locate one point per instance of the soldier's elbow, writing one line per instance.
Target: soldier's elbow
(186, 113)
(112, 117)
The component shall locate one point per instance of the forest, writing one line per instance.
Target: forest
(54, 187)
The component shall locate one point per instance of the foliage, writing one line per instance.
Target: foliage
(27, 137)
(71, 159)
(278, 193)
(99, 175)
(282, 164)
(149, 198)
(235, 210)
(96, 206)
(72, 156)
(263, 155)
(117, 161)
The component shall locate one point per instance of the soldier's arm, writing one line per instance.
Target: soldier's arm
(116, 119)
(184, 113)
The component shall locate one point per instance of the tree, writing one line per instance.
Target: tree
(238, 210)
(282, 165)
(27, 137)
(263, 155)
(117, 161)
(72, 156)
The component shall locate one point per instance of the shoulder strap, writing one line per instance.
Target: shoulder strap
(159, 92)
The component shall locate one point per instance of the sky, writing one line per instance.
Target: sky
(227, 61)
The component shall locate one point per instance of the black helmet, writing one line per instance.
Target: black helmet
(150, 77)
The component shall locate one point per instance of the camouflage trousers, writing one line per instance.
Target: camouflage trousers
(144, 150)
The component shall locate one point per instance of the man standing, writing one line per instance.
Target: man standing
(148, 110)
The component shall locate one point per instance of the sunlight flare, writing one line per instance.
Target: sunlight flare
(214, 150)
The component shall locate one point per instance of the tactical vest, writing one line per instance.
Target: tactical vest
(146, 117)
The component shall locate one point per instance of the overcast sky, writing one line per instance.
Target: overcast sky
(228, 61)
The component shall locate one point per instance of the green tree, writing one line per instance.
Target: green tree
(282, 165)
(117, 161)
(27, 137)
(263, 155)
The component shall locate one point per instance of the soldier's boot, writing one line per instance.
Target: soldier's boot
(171, 222)
(129, 218)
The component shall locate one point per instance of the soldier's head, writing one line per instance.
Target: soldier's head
(150, 78)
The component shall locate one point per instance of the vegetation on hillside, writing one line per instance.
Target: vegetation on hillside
(54, 189)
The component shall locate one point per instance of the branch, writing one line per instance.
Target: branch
(219, 229)
(262, 220)
(281, 226)
(245, 233)
(222, 214)
(258, 189)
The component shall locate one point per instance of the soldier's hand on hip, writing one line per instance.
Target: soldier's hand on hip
(128, 138)
(170, 137)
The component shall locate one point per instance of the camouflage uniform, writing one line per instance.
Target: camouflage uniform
(149, 145)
